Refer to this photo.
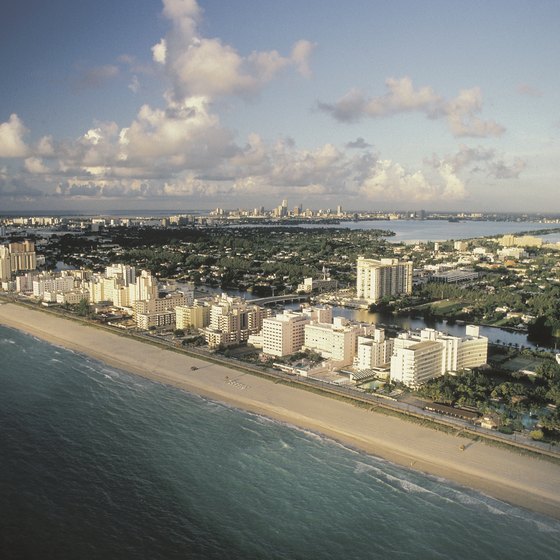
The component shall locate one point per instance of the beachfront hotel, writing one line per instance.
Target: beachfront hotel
(373, 351)
(379, 278)
(336, 340)
(418, 358)
(284, 334)
(414, 363)
(195, 316)
(233, 320)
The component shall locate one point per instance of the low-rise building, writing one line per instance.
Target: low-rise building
(156, 320)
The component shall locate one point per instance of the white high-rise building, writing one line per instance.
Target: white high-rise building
(414, 363)
(379, 278)
(24, 282)
(124, 271)
(145, 287)
(416, 359)
(374, 350)
(49, 283)
(121, 287)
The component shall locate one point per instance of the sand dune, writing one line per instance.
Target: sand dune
(519, 479)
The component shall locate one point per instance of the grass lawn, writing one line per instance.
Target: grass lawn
(521, 363)
(447, 306)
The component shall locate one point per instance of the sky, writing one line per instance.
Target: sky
(369, 104)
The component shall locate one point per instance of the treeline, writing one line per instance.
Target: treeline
(509, 395)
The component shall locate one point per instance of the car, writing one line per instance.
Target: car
(194, 368)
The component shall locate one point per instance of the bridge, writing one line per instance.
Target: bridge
(279, 299)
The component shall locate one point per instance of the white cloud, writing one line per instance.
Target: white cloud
(402, 97)
(480, 160)
(187, 132)
(182, 10)
(461, 115)
(389, 181)
(11, 138)
(301, 53)
(45, 146)
(199, 66)
(36, 166)
(159, 52)
(500, 169)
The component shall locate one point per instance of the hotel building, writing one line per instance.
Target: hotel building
(233, 320)
(419, 358)
(374, 350)
(17, 257)
(336, 341)
(196, 315)
(284, 334)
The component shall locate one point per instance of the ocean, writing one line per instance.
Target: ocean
(96, 463)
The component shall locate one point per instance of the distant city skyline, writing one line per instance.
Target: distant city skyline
(144, 104)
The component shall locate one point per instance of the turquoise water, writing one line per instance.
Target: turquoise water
(97, 463)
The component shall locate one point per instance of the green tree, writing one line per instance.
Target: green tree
(83, 308)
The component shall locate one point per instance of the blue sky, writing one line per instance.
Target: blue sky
(450, 105)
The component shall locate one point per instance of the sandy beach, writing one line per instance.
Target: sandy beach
(518, 479)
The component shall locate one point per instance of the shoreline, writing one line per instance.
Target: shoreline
(522, 480)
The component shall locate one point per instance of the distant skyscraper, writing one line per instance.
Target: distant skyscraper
(284, 208)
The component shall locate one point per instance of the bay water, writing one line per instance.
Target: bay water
(98, 463)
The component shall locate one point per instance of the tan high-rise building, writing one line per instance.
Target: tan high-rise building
(22, 256)
(196, 315)
(5, 264)
(233, 320)
(379, 278)
(284, 334)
